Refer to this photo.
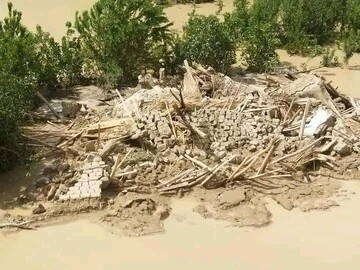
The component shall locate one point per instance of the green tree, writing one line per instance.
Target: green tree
(307, 23)
(121, 37)
(17, 83)
(206, 41)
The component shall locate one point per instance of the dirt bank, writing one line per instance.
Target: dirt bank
(296, 240)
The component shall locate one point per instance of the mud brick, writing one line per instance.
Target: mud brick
(85, 195)
(84, 189)
(64, 197)
(91, 175)
(157, 118)
(93, 178)
(161, 147)
(140, 126)
(87, 171)
(71, 189)
(97, 170)
(84, 184)
(95, 190)
(74, 196)
(158, 140)
(95, 195)
(97, 182)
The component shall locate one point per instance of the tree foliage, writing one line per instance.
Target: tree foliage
(205, 40)
(17, 81)
(120, 37)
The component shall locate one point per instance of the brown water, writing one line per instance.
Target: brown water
(52, 15)
(318, 240)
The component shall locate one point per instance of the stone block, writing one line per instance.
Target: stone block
(161, 147)
(85, 195)
(70, 109)
(64, 197)
(342, 148)
(95, 195)
(98, 182)
(74, 196)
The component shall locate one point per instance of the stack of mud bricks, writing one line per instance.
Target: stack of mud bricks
(157, 125)
(226, 129)
(231, 129)
(92, 180)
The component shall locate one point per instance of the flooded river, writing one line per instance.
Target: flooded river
(295, 240)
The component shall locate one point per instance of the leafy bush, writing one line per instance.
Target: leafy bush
(351, 31)
(255, 30)
(70, 61)
(17, 81)
(237, 21)
(206, 41)
(309, 23)
(119, 37)
(329, 58)
(351, 44)
(258, 48)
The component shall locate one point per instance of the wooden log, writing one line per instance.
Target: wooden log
(289, 110)
(216, 169)
(274, 145)
(199, 163)
(43, 143)
(303, 122)
(94, 129)
(39, 95)
(125, 107)
(119, 162)
(22, 225)
(71, 139)
(108, 147)
(298, 152)
(175, 178)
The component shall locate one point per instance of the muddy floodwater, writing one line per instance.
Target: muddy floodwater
(295, 240)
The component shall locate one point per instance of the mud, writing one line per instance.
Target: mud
(238, 207)
(296, 240)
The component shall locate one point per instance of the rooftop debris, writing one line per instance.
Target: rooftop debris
(209, 131)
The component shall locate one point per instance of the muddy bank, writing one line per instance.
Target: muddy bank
(296, 240)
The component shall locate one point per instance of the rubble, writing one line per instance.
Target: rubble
(270, 137)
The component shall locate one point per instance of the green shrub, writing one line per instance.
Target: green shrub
(329, 59)
(206, 41)
(351, 30)
(308, 23)
(48, 55)
(258, 47)
(16, 97)
(70, 61)
(254, 28)
(119, 37)
(237, 21)
(351, 44)
(17, 81)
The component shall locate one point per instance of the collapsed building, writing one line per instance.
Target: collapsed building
(268, 134)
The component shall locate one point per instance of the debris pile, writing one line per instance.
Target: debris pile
(210, 131)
